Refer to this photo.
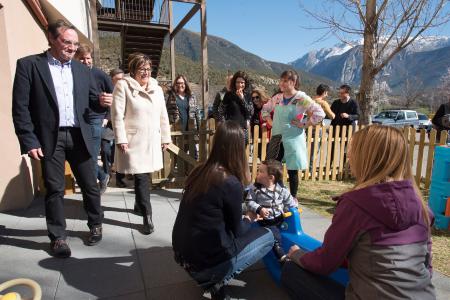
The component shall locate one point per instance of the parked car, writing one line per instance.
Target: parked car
(424, 122)
(397, 118)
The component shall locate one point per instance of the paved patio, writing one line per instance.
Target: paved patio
(126, 264)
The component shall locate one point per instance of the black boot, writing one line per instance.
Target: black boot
(148, 225)
(137, 210)
(220, 294)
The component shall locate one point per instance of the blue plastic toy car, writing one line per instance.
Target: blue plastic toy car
(293, 234)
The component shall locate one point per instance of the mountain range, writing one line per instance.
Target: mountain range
(425, 61)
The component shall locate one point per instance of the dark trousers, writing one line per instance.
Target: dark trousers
(96, 127)
(71, 147)
(293, 174)
(304, 285)
(106, 155)
(142, 192)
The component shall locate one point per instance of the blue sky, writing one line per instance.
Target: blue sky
(274, 30)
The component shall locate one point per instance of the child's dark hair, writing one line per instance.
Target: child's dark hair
(274, 168)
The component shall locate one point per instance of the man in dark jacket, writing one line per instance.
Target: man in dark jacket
(97, 120)
(346, 109)
(52, 97)
(439, 116)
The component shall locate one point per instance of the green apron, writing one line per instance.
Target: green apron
(293, 138)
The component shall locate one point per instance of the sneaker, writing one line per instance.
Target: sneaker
(60, 249)
(95, 235)
(279, 252)
(120, 183)
(104, 184)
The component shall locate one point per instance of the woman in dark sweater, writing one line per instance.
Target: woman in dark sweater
(210, 239)
(237, 104)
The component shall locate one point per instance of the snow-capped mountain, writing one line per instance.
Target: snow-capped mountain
(426, 58)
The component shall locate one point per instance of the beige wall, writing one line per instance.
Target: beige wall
(20, 35)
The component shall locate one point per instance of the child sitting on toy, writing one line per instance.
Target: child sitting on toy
(269, 199)
(381, 227)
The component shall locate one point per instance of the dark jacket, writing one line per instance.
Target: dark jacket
(381, 231)
(35, 107)
(104, 84)
(350, 107)
(206, 228)
(234, 108)
(443, 110)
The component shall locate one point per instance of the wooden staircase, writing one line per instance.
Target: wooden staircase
(142, 24)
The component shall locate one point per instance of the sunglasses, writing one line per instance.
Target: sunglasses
(255, 98)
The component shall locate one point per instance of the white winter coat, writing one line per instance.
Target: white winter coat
(139, 118)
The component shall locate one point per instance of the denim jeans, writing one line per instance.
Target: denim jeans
(96, 127)
(219, 275)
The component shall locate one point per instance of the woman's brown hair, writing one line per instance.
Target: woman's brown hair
(136, 61)
(186, 84)
(227, 158)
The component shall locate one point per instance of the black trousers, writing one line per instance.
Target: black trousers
(304, 285)
(70, 146)
(142, 192)
(293, 174)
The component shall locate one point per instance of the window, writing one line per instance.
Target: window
(411, 115)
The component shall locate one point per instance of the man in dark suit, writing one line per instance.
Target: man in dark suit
(52, 96)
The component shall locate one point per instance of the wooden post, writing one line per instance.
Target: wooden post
(255, 152)
(202, 141)
(330, 144)
(342, 152)
(323, 143)
(346, 165)
(308, 150)
(314, 152)
(172, 43)
(263, 143)
(335, 155)
(431, 145)
(412, 143)
(204, 57)
(420, 157)
(94, 32)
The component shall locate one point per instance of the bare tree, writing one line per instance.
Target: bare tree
(412, 90)
(387, 26)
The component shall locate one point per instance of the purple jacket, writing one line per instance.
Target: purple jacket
(377, 229)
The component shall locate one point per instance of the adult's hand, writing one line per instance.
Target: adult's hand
(297, 123)
(105, 99)
(344, 115)
(164, 146)
(123, 148)
(240, 93)
(36, 154)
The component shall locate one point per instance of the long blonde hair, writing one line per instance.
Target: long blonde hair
(379, 154)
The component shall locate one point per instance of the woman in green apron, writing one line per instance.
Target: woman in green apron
(289, 106)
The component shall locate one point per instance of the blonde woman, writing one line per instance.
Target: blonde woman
(141, 128)
(381, 226)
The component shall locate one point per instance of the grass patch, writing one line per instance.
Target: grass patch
(317, 196)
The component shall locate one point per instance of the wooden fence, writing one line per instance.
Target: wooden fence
(188, 148)
(326, 164)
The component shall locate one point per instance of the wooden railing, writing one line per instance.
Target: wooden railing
(326, 164)
(140, 11)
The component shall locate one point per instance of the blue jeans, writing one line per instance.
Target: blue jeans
(219, 275)
(96, 127)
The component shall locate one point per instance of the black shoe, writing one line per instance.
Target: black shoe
(279, 252)
(148, 226)
(137, 210)
(121, 184)
(103, 184)
(95, 235)
(60, 249)
(220, 294)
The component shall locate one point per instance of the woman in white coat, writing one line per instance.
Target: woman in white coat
(141, 128)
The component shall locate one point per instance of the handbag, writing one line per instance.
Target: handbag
(273, 147)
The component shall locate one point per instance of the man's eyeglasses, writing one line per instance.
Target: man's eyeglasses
(70, 43)
(145, 70)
